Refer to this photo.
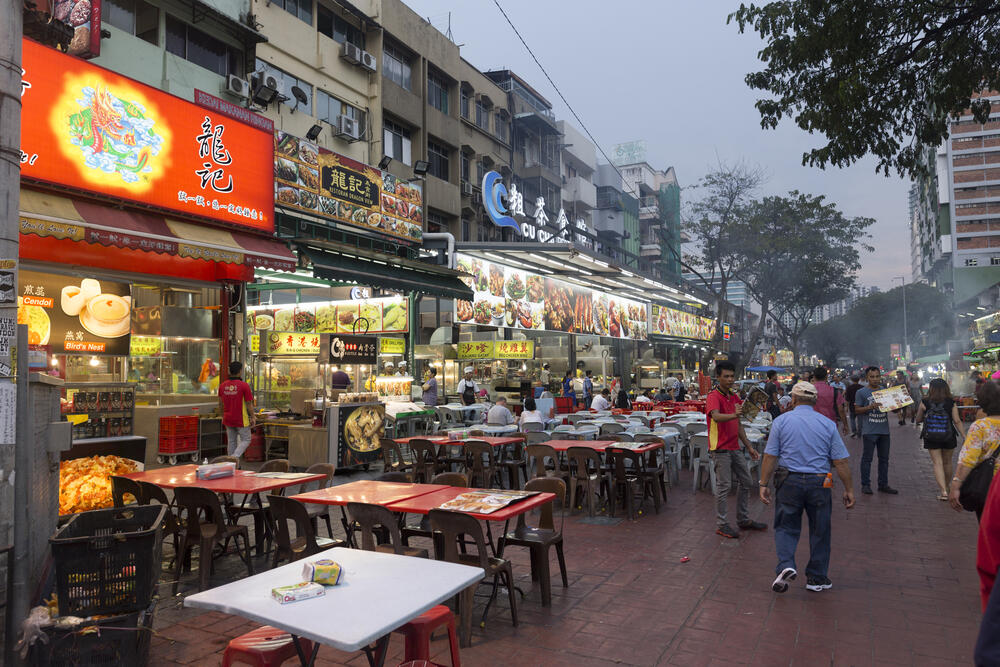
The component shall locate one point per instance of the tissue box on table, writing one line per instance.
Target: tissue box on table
(302, 591)
(215, 470)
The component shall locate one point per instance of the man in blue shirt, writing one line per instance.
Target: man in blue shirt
(803, 444)
(874, 434)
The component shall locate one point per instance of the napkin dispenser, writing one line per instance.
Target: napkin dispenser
(215, 470)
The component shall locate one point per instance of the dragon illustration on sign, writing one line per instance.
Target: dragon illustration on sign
(115, 135)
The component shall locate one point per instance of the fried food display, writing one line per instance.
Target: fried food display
(85, 483)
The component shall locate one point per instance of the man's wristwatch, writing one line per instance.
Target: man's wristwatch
(761, 483)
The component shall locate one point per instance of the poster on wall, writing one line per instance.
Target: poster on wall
(367, 316)
(67, 314)
(311, 178)
(84, 16)
(672, 322)
(97, 131)
(518, 299)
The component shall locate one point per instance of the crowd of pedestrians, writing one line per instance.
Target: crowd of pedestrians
(805, 447)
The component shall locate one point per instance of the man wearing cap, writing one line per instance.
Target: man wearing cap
(803, 444)
(725, 432)
(467, 387)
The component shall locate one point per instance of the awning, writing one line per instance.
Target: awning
(933, 359)
(55, 217)
(387, 272)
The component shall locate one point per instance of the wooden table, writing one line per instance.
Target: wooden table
(379, 593)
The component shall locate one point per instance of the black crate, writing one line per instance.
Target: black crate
(121, 641)
(108, 561)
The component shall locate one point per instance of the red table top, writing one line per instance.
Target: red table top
(367, 491)
(597, 445)
(244, 481)
(425, 503)
(495, 440)
(432, 438)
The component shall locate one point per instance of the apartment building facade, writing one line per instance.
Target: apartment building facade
(616, 218)
(659, 196)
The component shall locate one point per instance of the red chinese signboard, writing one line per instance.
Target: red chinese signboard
(94, 130)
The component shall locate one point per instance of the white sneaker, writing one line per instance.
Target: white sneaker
(780, 584)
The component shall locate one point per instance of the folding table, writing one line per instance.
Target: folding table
(378, 593)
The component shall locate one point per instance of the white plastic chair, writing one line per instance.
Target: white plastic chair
(701, 461)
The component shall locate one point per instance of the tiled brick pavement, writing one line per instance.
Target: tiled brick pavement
(905, 591)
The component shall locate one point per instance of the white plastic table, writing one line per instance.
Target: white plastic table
(378, 593)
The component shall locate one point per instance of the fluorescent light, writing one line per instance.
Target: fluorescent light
(538, 257)
(627, 273)
(586, 273)
(292, 281)
(649, 282)
(600, 263)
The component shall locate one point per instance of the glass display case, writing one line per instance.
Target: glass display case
(277, 377)
(172, 365)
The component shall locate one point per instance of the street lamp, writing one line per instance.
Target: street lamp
(906, 343)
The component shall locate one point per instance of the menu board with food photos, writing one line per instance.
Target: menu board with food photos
(369, 316)
(673, 322)
(518, 299)
(310, 178)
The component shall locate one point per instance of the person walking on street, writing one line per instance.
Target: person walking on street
(237, 401)
(901, 381)
(829, 399)
(803, 445)
(915, 387)
(939, 415)
(725, 432)
(771, 389)
(874, 434)
(982, 441)
(849, 395)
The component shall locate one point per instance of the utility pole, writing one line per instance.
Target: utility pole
(13, 494)
(906, 340)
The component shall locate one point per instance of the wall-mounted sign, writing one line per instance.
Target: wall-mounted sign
(85, 18)
(672, 322)
(67, 314)
(97, 131)
(514, 349)
(285, 343)
(478, 349)
(514, 298)
(145, 346)
(382, 315)
(391, 346)
(353, 349)
(726, 331)
(330, 185)
(503, 204)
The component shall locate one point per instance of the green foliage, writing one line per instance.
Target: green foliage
(872, 74)
(867, 330)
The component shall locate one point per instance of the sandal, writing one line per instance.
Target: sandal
(942, 496)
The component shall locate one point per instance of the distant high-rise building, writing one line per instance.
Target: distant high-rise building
(659, 196)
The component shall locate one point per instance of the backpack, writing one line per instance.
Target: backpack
(937, 424)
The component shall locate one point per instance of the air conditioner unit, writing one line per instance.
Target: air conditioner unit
(265, 80)
(466, 189)
(237, 86)
(368, 61)
(477, 198)
(351, 53)
(346, 128)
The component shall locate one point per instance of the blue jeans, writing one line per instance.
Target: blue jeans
(803, 492)
(873, 443)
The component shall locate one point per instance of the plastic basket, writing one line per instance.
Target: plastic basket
(178, 425)
(178, 443)
(108, 561)
(118, 640)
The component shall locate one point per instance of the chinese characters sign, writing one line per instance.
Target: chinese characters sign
(95, 130)
(330, 185)
(145, 346)
(381, 315)
(504, 205)
(509, 297)
(66, 314)
(501, 349)
(478, 349)
(353, 350)
(290, 342)
(673, 322)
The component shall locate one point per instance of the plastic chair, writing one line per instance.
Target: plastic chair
(541, 538)
(607, 429)
(264, 647)
(317, 511)
(196, 503)
(585, 471)
(125, 485)
(257, 509)
(172, 526)
(226, 459)
(536, 456)
(425, 460)
(536, 438)
(392, 455)
(367, 518)
(661, 460)
(418, 636)
(305, 543)
(532, 427)
(515, 464)
(424, 528)
(480, 463)
(700, 461)
(403, 477)
(629, 472)
(454, 526)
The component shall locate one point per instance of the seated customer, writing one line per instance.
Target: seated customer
(499, 415)
(644, 397)
(602, 401)
(662, 396)
(531, 413)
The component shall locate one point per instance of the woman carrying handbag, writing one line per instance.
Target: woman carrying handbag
(978, 460)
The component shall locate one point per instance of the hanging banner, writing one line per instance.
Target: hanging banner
(371, 316)
(327, 184)
(292, 343)
(97, 131)
(519, 299)
(672, 322)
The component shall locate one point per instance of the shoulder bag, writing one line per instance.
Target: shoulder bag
(976, 486)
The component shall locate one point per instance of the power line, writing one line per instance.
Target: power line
(563, 98)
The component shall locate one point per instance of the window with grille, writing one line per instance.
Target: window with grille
(202, 49)
(437, 156)
(483, 115)
(437, 91)
(338, 28)
(396, 141)
(396, 66)
(301, 9)
(135, 17)
(329, 107)
(972, 261)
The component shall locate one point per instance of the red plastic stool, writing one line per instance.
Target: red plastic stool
(418, 635)
(264, 647)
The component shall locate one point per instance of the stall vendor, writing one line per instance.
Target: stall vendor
(340, 380)
(467, 387)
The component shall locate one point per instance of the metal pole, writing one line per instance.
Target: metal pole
(906, 344)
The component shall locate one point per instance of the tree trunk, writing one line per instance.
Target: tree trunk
(752, 343)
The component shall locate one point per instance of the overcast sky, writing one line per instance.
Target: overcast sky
(671, 73)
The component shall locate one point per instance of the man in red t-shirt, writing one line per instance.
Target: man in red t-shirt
(724, 435)
(236, 400)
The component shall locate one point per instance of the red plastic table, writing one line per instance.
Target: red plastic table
(433, 438)
(244, 481)
(367, 491)
(423, 504)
